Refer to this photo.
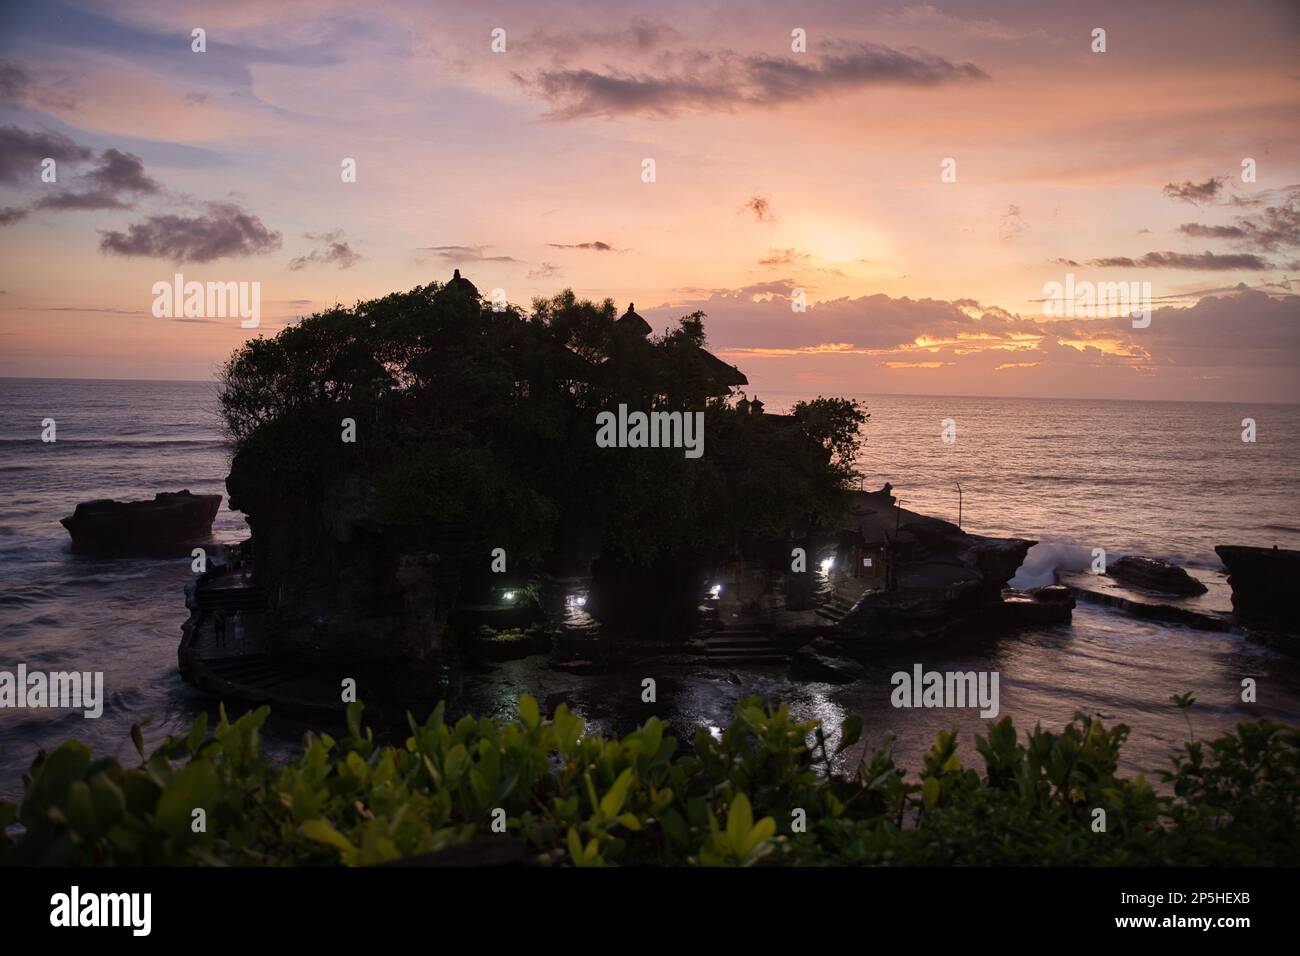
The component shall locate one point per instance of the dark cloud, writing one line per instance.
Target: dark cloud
(1202, 261)
(458, 254)
(1275, 227)
(1065, 262)
(103, 186)
(545, 271)
(761, 207)
(724, 81)
(334, 250)
(1198, 231)
(13, 82)
(21, 152)
(19, 88)
(596, 246)
(1245, 329)
(223, 230)
(1195, 193)
(11, 214)
(782, 257)
(759, 317)
(121, 172)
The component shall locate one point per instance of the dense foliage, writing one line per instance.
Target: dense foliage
(566, 797)
(486, 419)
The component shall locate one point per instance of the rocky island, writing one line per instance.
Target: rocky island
(421, 470)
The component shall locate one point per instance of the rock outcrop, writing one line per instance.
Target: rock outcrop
(340, 583)
(165, 525)
(945, 580)
(1152, 574)
(1037, 607)
(1263, 584)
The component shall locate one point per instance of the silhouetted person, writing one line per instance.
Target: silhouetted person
(219, 626)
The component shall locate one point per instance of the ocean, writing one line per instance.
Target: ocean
(1168, 480)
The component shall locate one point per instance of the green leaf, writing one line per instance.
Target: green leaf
(322, 831)
(764, 829)
(740, 820)
(613, 801)
(528, 711)
(456, 763)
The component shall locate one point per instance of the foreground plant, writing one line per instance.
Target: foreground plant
(765, 791)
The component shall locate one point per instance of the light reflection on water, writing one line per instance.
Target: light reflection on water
(1104, 665)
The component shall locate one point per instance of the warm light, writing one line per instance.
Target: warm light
(576, 600)
(715, 591)
(827, 565)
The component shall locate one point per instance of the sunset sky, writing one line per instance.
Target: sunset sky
(774, 170)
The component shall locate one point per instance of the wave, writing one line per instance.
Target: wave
(1047, 557)
(1066, 554)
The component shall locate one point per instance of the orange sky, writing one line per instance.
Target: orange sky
(775, 170)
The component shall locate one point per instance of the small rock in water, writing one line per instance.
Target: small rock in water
(166, 524)
(1152, 574)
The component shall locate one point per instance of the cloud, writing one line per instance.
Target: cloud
(1198, 231)
(21, 152)
(642, 35)
(924, 14)
(334, 251)
(761, 207)
(103, 186)
(11, 214)
(596, 246)
(1202, 261)
(1012, 224)
(18, 88)
(724, 81)
(458, 254)
(783, 257)
(1275, 227)
(758, 291)
(13, 82)
(224, 230)
(1248, 328)
(545, 271)
(1195, 193)
(1244, 330)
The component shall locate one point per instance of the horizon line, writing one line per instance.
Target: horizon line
(802, 393)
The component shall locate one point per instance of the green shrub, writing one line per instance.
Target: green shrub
(763, 792)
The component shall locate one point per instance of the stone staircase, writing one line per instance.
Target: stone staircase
(840, 600)
(229, 599)
(257, 671)
(744, 645)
